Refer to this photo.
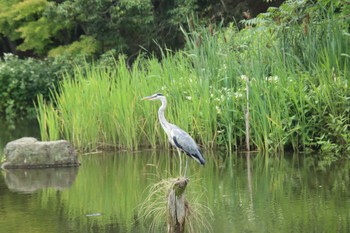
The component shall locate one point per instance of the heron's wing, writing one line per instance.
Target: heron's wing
(184, 141)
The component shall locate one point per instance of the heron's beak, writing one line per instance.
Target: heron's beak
(147, 98)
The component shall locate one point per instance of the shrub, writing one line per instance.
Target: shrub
(21, 80)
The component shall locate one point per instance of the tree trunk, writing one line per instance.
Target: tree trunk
(177, 206)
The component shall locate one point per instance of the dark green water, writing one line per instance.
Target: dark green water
(287, 194)
(277, 194)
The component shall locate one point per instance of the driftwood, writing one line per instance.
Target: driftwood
(177, 206)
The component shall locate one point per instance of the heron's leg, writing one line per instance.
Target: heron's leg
(179, 152)
(186, 166)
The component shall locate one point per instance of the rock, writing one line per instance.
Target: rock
(30, 153)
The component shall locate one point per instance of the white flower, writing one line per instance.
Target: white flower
(218, 110)
(244, 77)
(237, 95)
(272, 79)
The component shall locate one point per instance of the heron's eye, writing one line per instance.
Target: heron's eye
(159, 94)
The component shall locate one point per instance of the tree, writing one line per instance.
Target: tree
(24, 23)
(92, 27)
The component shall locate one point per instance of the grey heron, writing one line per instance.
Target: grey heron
(177, 137)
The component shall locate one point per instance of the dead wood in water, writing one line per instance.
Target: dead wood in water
(177, 206)
(166, 203)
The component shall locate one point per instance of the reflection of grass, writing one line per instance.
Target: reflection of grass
(154, 207)
(114, 186)
(2, 157)
(108, 186)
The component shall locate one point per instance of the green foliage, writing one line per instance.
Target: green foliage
(305, 31)
(8, 24)
(25, 19)
(110, 99)
(86, 46)
(37, 35)
(22, 80)
(113, 25)
(65, 27)
(274, 55)
(297, 80)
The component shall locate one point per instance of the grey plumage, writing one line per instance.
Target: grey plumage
(177, 137)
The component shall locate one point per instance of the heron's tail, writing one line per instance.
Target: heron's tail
(199, 158)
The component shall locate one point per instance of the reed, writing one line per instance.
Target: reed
(99, 108)
(298, 92)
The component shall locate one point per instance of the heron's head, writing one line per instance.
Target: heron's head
(154, 97)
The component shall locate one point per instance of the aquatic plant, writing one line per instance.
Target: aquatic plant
(155, 207)
(298, 91)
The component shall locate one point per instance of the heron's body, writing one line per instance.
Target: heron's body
(177, 137)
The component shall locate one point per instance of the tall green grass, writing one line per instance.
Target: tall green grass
(298, 92)
(100, 108)
(299, 82)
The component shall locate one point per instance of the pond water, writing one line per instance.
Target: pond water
(290, 193)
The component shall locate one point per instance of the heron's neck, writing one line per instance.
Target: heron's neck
(161, 116)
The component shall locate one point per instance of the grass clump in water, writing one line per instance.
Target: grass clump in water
(154, 208)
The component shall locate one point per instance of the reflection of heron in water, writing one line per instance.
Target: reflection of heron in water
(177, 137)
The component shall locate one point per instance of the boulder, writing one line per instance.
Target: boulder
(28, 152)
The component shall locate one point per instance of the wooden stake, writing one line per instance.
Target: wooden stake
(247, 129)
(177, 206)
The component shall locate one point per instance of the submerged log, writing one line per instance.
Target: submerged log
(177, 206)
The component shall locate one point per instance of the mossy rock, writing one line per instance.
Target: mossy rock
(28, 152)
